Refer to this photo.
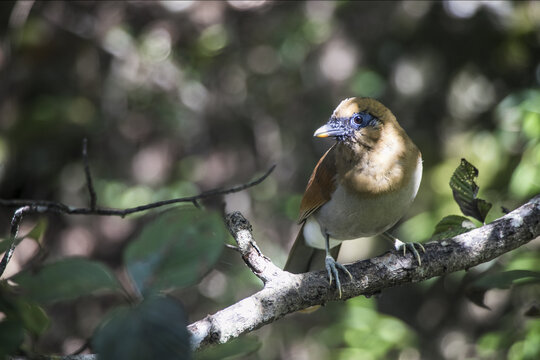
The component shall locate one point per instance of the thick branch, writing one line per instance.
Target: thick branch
(285, 293)
(261, 266)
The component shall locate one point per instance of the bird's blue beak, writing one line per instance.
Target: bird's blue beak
(330, 130)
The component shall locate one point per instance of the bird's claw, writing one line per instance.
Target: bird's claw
(332, 267)
(412, 248)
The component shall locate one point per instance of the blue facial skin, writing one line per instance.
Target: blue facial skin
(349, 125)
(362, 119)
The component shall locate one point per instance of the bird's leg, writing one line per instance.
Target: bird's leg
(332, 266)
(398, 244)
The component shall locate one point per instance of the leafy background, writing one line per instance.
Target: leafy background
(180, 97)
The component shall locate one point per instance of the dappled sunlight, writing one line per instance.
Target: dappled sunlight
(471, 93)
(77, 241)
(179, 97)
(151, 165)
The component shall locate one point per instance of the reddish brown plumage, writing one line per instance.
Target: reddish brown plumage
(320, 186)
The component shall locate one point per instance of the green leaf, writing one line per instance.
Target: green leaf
(451, 226)
(66, 279)
(38, 231)
(238, 348)
(20, 316)
(34, 317)
(36, 234)
(153, 329)
(175, 249)
(465, 191)
(5, 244)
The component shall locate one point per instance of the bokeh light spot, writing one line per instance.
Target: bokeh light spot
(213, 39)
(338, 60)
(263, 59)
(156, 45)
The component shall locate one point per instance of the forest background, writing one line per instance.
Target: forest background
(176, 98)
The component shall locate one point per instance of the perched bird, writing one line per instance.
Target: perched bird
(361, 187)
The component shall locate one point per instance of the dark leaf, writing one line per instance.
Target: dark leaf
(175, 249)
(11, 337)
(66, 279)
(153, 329)
(465, 191)
(476, 295)
(505, 279)
(451, 226)
(26, 312)
(533, 311)
(501, 280)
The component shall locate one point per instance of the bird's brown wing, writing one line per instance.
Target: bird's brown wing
(321, 185)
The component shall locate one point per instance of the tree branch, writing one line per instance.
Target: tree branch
(285, 293)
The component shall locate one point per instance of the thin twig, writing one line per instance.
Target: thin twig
(89, 183)
(58, 207)
(232, 247)
(44, 206)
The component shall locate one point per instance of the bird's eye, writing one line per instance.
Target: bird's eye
(362, 119)
(357, 119)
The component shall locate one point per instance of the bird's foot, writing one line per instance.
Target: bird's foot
(398, 244)
(332, 267)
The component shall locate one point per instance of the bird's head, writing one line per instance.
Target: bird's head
(357, 121)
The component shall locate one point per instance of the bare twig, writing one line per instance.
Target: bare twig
(89, 182)
(58, 207)
(285, 293)
(44, 206)
(56, 357)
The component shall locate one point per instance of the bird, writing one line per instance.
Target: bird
(361, 187)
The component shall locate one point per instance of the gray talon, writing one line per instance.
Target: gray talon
(332, 267)
(398, 244)
(412, 248)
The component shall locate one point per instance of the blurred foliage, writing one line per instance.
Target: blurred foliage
(65, 280)
(153, 329)
(234, 349)
(179, 97)
(189, 236)
(174, 250)
(21, 317)
(375, 336)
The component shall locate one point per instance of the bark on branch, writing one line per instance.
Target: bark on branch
(285, 293)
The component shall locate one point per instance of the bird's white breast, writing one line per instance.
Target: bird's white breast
(348, 216)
